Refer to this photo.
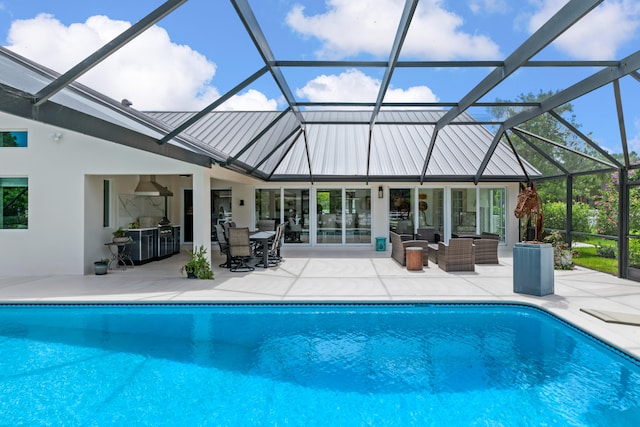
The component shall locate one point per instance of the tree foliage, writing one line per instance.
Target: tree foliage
(547, 127)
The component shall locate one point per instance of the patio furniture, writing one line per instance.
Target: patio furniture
(272, 257)
(399, 244)
(224, 245)
(487, 235)
(239, 249)
(267, 225)
(120, 253)
(429, 234)
(260, 245)
(486, 251)
(433, 252)
(414, 258)
(458, 255)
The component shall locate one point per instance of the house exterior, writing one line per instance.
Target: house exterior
(66, 172)
(82, 155)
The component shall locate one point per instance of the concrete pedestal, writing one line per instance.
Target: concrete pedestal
(533, 269)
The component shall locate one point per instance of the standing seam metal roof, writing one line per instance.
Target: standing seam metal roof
(338, 144)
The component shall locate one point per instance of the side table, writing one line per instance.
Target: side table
(120, 253)
(414, 258)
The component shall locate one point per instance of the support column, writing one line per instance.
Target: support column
(623, 223)
(202, 211)
(569, 224)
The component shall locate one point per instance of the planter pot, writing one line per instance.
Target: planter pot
(533, 269)
(191, 275)
(101, 268)
(120, 239)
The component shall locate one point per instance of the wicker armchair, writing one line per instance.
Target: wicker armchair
(458, 255)
(239, 248)
(486, 251)
(399, 245)
(429, 234)
(486, 235)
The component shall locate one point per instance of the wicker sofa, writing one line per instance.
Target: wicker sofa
(399, 243)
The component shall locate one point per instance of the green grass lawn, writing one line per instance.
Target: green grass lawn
(586, 256)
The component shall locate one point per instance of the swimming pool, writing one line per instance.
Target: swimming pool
(308, 364)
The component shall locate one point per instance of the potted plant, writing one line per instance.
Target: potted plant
(101, 266)
(198, 266)
(120, 235)
(562, 253)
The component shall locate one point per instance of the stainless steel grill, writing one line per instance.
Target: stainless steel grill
(165, 240)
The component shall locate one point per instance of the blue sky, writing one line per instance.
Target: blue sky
(202, 50)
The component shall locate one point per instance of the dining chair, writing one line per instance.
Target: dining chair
(239, 249)
(224, 245)
(273, 256)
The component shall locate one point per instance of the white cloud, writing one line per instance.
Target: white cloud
(599, 34)
(355, 86)
(488, 6)
(151, 71)
(350, 27)
(252, 100)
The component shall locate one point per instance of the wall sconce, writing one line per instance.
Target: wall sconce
(57, 136)
(380, 192)
(241, 202)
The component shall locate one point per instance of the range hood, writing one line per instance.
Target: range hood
(147, 186)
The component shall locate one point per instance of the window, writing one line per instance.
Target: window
(13, 139)
(14, 210)
(268, 204)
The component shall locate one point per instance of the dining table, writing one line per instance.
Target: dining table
(263, 237)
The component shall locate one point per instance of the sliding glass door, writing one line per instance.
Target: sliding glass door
(329, 215)
(343, 215)
(413, 208)
(357, 216)
(296, 215)
(493, 211)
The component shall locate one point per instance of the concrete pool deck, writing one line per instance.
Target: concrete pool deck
(345, 274)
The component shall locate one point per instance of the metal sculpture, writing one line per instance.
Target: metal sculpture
(529, 208)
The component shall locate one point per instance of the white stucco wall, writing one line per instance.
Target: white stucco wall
(65, 233)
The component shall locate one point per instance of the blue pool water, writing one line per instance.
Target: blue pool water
(307, 365)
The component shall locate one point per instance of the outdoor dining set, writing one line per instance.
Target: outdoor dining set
(246, 249)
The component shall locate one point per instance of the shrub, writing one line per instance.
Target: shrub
(634, 251)
(555, 216)
(606, 251)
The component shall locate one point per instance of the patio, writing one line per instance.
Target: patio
(344, 274)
